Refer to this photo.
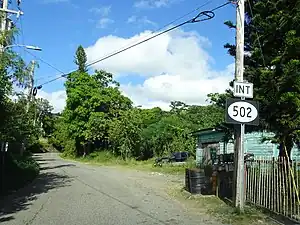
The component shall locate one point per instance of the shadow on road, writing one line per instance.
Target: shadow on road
(58, 166)
(38, 159)
(24, 198)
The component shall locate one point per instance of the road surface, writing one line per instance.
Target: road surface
(71, 193)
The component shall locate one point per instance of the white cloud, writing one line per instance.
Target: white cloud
(104, 22)
(54, 1)
(176, 66)
(102, 11)
(140, 20)
(144, 4)
(57, 99)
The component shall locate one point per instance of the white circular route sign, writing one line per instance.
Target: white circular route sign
(239, 111)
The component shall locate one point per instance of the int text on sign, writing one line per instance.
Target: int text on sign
(243, 90)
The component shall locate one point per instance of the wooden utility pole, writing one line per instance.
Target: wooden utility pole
(6, 24)
(31, 84)
(4, 16)
(239, 186)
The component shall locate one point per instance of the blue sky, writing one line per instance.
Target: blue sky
(59, 26)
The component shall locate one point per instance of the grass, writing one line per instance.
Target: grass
(107, 159)
(19, 170)
(218, 209)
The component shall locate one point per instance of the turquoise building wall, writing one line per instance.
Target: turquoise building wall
(254, 145)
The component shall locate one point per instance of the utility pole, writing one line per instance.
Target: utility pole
(4, 16)
(239, 175)
(31, 85)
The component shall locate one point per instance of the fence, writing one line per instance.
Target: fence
(273, 183)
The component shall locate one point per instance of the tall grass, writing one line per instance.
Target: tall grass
(106, 158)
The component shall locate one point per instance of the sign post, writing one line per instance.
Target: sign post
(241, 112)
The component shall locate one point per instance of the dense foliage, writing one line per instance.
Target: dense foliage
(17, 126)
(22, 122)
(98, 117)
(272, 41)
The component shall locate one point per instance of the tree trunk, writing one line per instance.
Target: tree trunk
(285, 147)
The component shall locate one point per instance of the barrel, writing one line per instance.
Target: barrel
(196, 181)
(187, 180)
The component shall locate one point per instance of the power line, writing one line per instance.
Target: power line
(194, 20)
(155, 31)
(44, 61)
(209, 15)
(163, 27)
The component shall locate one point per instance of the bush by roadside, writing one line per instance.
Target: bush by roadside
(40, 146)
(18, 171)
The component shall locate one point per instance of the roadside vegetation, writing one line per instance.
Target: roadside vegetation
(106, 158)
(19, 171)
(99, 118)
(100, 125)
(221, 211)
(21, 120)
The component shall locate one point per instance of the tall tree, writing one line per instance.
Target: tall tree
(93, 101)
(272, 41)
(81, 59)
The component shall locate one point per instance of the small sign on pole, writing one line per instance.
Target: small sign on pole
(242, 112)
(243, 90)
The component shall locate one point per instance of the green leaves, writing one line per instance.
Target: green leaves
(273, 41)
(81, 59)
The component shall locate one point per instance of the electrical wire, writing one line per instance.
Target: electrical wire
(44, 61)
(163, 27)
(209, 15)
(194, 20)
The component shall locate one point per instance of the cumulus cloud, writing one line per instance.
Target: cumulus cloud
(102, 11)
(144, 4)
(104, 22)
(140, 20)
(176, 66)
(54, 1)
(57, 99)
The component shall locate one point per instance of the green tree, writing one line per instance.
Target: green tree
(272, 39)
(93, 101)
(13, 71)
(125, 134)
(43, 116)
(81, 59)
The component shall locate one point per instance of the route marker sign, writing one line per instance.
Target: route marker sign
(243, 90)
(242, 112)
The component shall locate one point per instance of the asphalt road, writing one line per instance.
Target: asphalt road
(68, 193)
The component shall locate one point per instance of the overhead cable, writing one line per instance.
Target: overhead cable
(155, 31)
(206, 14)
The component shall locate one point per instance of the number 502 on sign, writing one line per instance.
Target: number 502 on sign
(242, 112)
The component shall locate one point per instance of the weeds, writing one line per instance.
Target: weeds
(106, 158)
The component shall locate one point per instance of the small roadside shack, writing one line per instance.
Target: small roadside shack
(215, 154)
(213, 142)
